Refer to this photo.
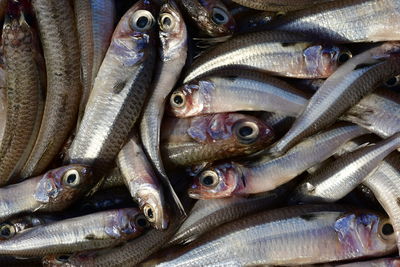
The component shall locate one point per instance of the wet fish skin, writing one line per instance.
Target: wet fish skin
(382, 262)
(346, 21)
(279, 5)
(298, 57)
(53, 191)
(379, 112)
(234, 178)
(288, 236)
(15, 226)
(61, 52)
(95, 24)
(113, 179)
(24, 92)
(119, 90)
(172, 58)
(254, 21)
(143, 183)
(384, 183)
(341, 91)
(210, 16)
(206, 138)
(102, 230)
(344, 174)
(217, 94)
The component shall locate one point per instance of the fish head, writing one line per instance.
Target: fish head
(69, 260)
(13, 226)
(323, 60)
(127, 224)
(217, 182)
(365, 233)
(134, 32)
(153, 205)
(173, 34)
(62, 185)
(191, 99)
(7, 230)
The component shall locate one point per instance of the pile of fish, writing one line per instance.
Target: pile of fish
(200, 132)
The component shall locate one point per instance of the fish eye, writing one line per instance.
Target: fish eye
(394, 81)
(141, 221)
(7, 231)
(343, 57)
(246, 132)
(178, 100)
(386, 230)
(167, 22)
(141, 20)
(149, 213)
(209, 178)
(62, 258)
(219, 16)
(71, 178)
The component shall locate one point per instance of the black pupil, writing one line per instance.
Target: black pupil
(167, 21)
(208, 180)
(142, 222)
(392, 81)
(5, 231)
(178, 99)
(219, 17)
(71, 178)
(387, 229)
(150, 213)
(344, 57)
(63, 257)
(142, 22)
(245, 131)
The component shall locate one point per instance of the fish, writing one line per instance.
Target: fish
(143, 183)
(15, 226)
(254, 21)
(53, 191)
(211, 17)
(340, 177)
(3, 101)
(279, 5)
(382, 262)
(24, 91)
(95, 21)
(172, 58)
(250, 92)
(379, 112)
(289, 236)
(297, 56)
(345, 21)
(119, 90)
(113, 179)
(59, 39)
(209, 214)
(93, 231)
(384, 184)
(356, 78)
(217, 136)
(235, 178)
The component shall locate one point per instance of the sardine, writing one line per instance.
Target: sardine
(95, 23)
(25, 95)
(289, 236)
(13, 227)
(384, 183)
(346, 21)
(240, 93)
(53, 191)
(172, 58)
(378, 112)
(3, 102)
(212, 137)
(143, 183)
(211, 17)
(383, 262)
(280, 5)
(355, 79)
(61, 52)
(235, 178)
(94, 231)
(119, 90)
(278, 53)
(339, 178)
